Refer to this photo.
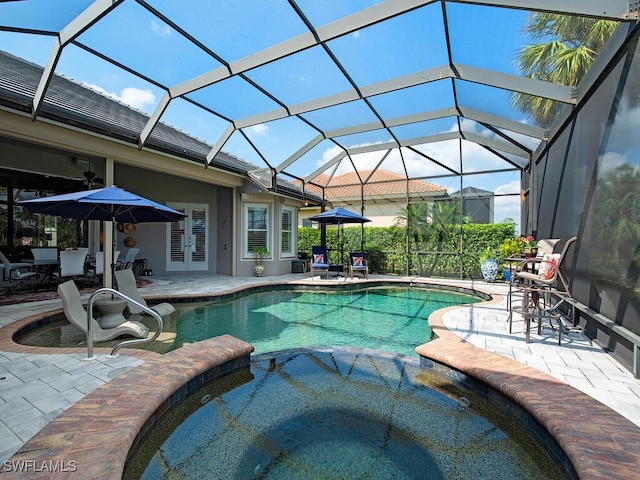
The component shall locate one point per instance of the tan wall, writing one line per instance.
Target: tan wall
(381, 214)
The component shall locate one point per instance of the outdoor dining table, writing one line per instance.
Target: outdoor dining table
(45, 268)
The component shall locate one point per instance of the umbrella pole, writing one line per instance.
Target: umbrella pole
(342, 243)
(114, 247)
(109, 248)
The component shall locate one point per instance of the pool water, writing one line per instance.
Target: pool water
(383, 318)
(336, 414)
(389, 318)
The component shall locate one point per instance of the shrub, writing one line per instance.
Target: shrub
(454, 253)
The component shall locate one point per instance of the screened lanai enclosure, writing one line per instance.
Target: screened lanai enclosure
(534, 103)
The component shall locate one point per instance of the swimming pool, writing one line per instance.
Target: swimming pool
(336, 413)
(390, 318)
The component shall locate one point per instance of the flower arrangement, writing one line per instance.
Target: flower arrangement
(528, 242)
(529, 246)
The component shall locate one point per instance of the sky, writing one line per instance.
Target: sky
(235, 29)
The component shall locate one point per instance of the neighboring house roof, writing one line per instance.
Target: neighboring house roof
(471, 192)
(71, 103)
(382, 185)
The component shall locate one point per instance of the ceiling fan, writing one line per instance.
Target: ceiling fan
(90, 177)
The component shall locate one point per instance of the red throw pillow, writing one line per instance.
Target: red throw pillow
(358, 261)
(548, 266)
(318, 258)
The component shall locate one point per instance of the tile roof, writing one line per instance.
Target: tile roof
(382, 184)
(71, 103)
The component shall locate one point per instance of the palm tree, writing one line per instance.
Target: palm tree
(425, 221)
(445, 217)
(416, 219)
(616, 222)
(567, 49)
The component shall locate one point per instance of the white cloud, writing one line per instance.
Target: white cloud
(329, 154)
(477, 158)
(507, 207)
(160, 28)
(137, 98)
(511, 187)
(101, 90)
(611, 161)
(143, 100)
(447, 152)
(259, 130)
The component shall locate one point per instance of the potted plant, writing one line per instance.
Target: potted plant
(259, 253)
(488, 265)
(529, 246)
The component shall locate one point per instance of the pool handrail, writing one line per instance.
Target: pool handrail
(135, 341)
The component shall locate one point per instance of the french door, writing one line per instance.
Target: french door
(188, 239)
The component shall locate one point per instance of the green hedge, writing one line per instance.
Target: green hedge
(456, 254)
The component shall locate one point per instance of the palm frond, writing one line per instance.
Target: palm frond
(567, 48)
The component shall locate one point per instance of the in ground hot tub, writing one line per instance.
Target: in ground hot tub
(336, 413)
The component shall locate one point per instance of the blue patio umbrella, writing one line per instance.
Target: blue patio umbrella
(339, 216)
(111, 204)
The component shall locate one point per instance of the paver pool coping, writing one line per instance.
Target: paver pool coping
(94, 435)
(92, 439)
(599, 442)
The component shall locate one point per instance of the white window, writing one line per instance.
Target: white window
(257, 223)
(286, 229)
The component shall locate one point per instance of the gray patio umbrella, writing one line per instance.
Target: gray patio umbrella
(110, 204)
(339, 216)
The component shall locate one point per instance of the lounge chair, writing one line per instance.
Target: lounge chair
(319, 261)
(357, 263)
(127, 285)
(77, 316)
(15, 274)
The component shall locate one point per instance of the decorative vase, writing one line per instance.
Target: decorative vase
(527, 252)
(258, 270)
(489, 269)
(506, 273)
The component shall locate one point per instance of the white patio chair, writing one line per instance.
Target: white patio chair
(72, 264)
(99, 262)
(128, 260)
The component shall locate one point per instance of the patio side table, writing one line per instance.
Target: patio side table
(111, 309)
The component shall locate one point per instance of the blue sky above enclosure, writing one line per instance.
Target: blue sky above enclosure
(303, 83)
